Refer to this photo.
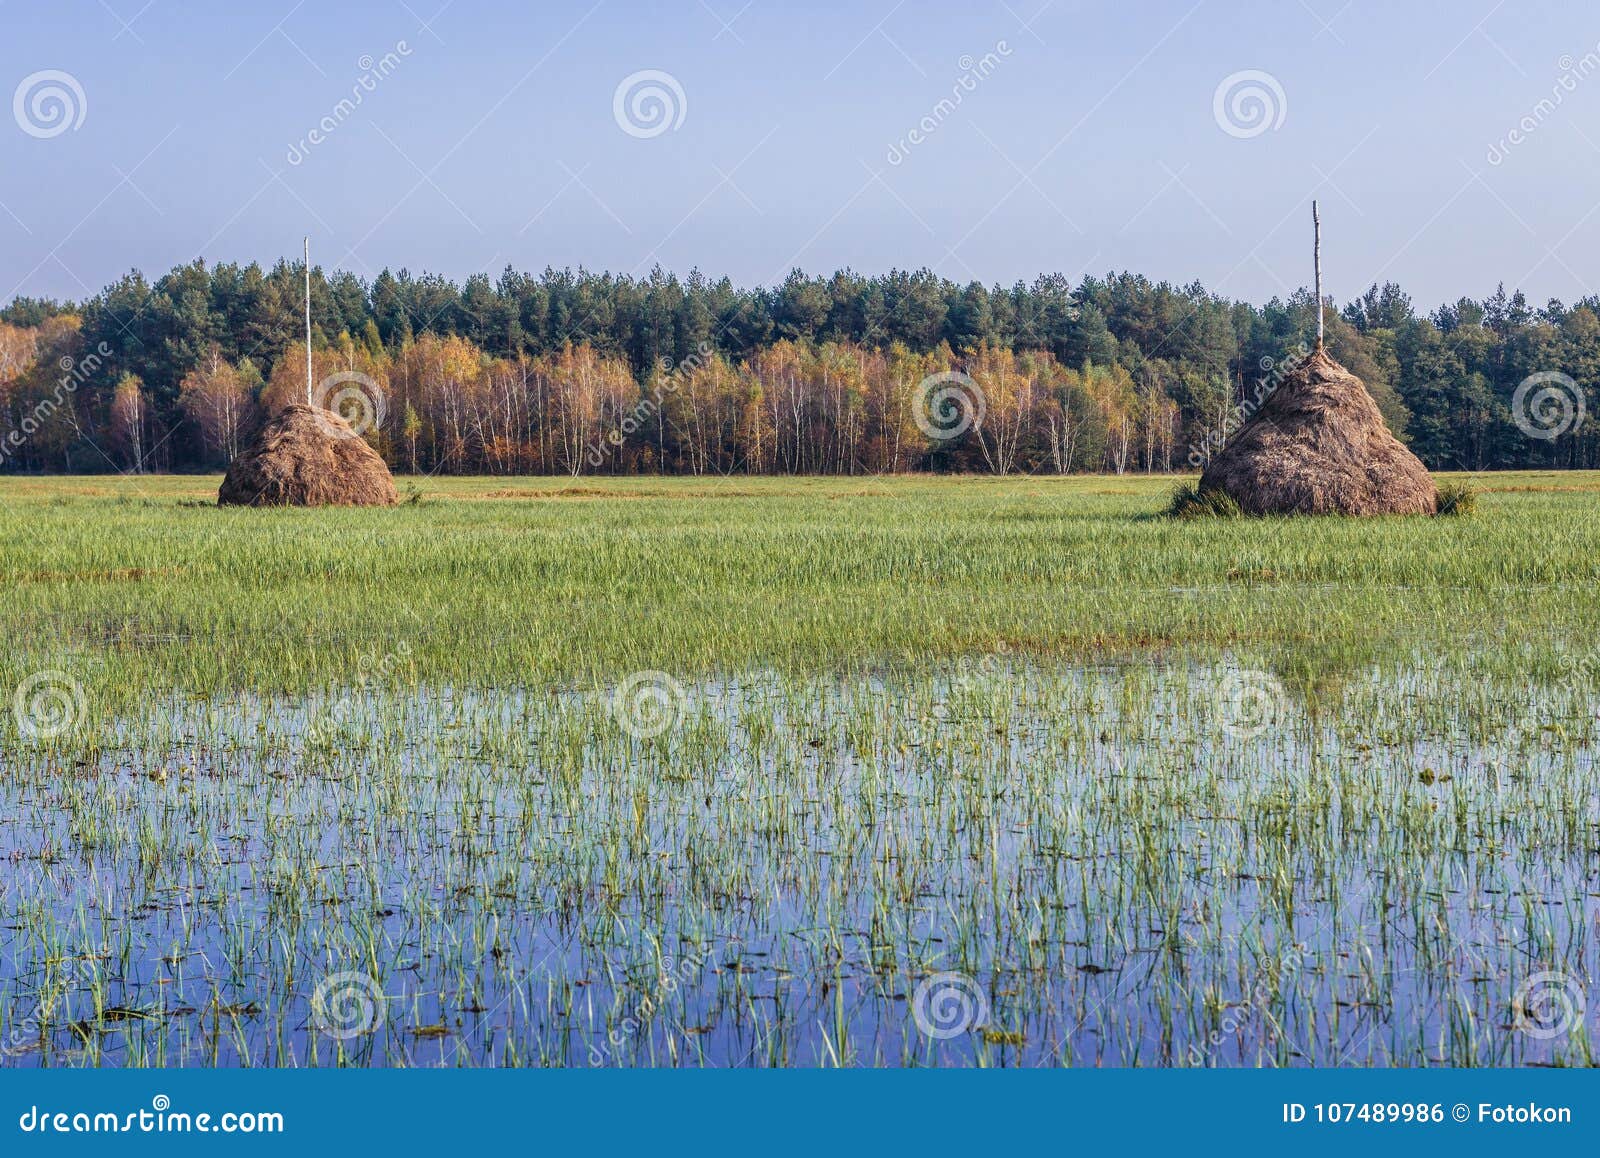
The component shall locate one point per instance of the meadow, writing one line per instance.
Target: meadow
(738, 771)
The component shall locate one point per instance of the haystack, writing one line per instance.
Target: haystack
(308, 457)
(1319, 446)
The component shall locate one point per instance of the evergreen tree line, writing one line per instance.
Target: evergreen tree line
(595, 373)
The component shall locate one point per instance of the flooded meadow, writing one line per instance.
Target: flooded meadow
(651, 779)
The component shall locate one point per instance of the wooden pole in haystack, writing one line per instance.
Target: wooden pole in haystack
(309, 401)
(1316, 261)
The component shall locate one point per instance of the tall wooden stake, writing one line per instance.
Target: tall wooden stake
(309, 401)
(1316, 261)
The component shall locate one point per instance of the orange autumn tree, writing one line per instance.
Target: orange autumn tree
(217, 398)
(346, 377)
(1012, 388)
(841, 374)
(587, 396)
(1064, 417)
(894, 442)
(44, 411)
(129, 414)
(703, 414)
(797, 406)
(17, 347)
(1117, 404)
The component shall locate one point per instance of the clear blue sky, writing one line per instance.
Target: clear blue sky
(1092, 144)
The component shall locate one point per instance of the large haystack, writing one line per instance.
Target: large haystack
(1319, 446)
(308, 457)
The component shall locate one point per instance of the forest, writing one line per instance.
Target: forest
(584, 373)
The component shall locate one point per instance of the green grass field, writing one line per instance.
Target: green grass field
(887, 771)
(552, 581)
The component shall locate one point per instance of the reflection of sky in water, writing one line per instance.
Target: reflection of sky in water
(1365, 881)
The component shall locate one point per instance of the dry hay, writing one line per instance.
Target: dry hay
(308, 457)
(1319, 446)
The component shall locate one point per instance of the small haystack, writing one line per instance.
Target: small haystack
(308, 457)
(1319, 446)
